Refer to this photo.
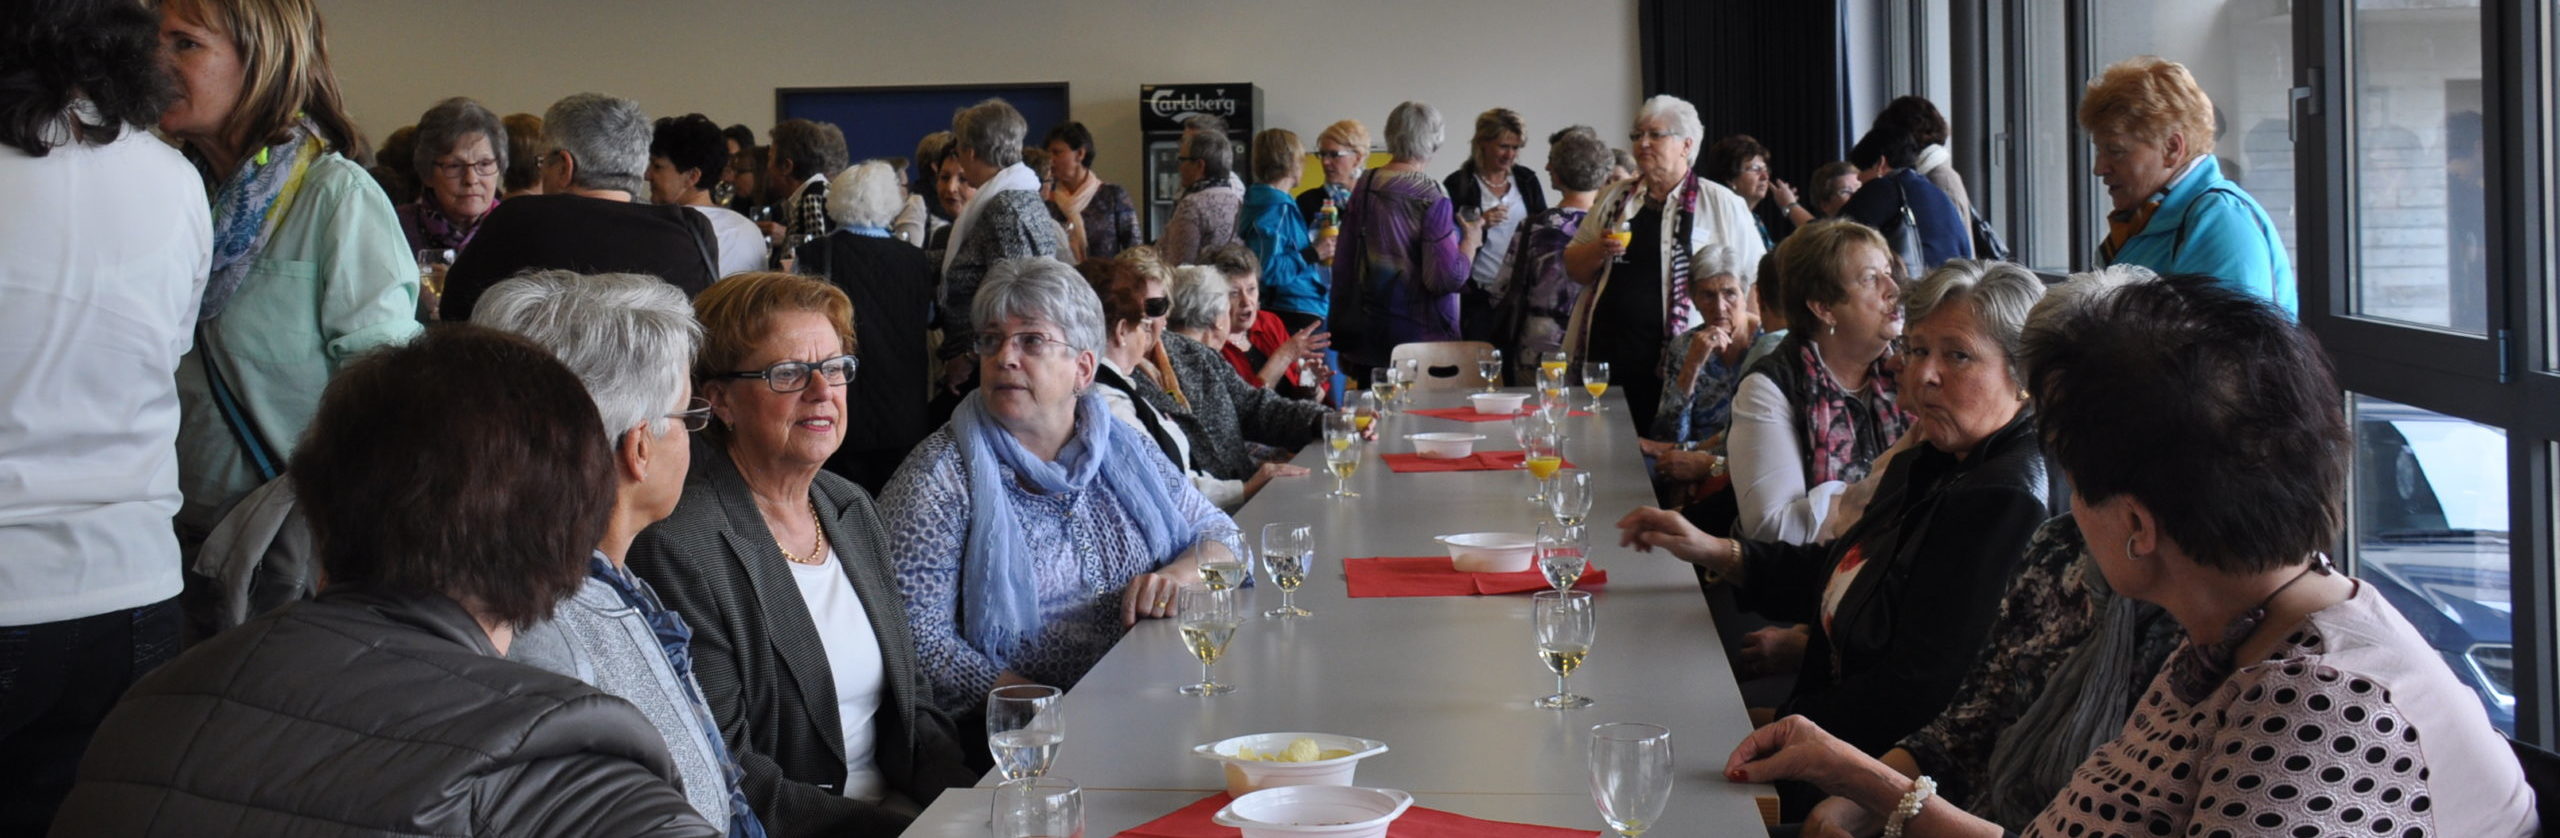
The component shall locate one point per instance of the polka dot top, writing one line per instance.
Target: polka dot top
(2353, 726)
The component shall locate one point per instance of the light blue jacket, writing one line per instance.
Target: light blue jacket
(1271, 224)
(2207, 225)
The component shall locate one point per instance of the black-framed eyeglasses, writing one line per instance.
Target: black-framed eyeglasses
(484, 167)
(793, 376)
(1157, 307)
(1030, 344)
(696, 414)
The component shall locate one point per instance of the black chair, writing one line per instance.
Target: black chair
(2542, 774)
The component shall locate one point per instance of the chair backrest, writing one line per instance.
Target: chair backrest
(2542, 774)
(1447, 364)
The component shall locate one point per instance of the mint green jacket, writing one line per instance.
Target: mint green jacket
(336, 278)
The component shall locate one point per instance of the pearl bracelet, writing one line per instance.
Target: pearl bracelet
(1909, 808)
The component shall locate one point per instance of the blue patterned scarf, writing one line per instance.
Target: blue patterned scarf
(999, 604)
(246, 210)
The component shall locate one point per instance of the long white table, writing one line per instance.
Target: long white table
(1445, 681)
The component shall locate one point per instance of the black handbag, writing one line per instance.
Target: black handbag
(1904, 237)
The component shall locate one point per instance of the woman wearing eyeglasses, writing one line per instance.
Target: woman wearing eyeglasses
(461, 156)
(1035, 529)
(782, 571)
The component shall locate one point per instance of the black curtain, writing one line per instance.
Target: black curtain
(1773, 69)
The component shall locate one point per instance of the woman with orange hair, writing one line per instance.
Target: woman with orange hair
(2174, 212)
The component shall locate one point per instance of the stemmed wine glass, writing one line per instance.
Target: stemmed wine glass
(1365, 407)
(1341, 456)
(1543, 454)
(1209, 617)
(1490, 368)
(1550, 384)
(1595, 379)
(1569, 496)
(1039, 807)
(1563, 554)
(1566, 623)
(1024, 729)
(1408, 373)
(1630, 774)
(1385, 382)
(1288, 549)
(1223, 568)
(1552, 363)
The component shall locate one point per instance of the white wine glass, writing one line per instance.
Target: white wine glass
(1521, 426)
(1208, 618)
(1342, 457)
(1385, 383)
(1288, 550)
(1566, 623)
(1630, 775)
(1543, 455)
(1039, 807)
(1222, 568)
(1408, 373)
(1551, 384)
(1569, 495)
(1490, 368)
(1595, 380)
(1024, 729)
(1563, 554)
(1365, 406)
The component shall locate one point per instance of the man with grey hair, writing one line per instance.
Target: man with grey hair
(587, 219)
(1206, 215)
(631, 339)
(1005, 219)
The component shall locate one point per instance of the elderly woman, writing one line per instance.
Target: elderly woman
(1342, 150)
(1698, 404)
(1257, 424)
(526, 147)
(1205, 217)
(1742, 164)
(803, 156)
(1404, 251)
(2206, 439)
(686, 157)
(1293, 285)
(631, 340)
(1809, 419)
(782, 570)
(459, 153)
(999, 217)
(1916, 121)
(1540, 298)
(1035, 529)
(1254, 342)
(891, 285)
(1099, 213)
(309, 266)
(1128, 385)
(1637, 285)
(1493, 184)
(1834, 183)
(406, 647)
(2152, 126)
(1899, 604)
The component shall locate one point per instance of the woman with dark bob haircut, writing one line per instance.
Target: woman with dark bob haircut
(2206, 437)
(455, 487)
(687, 156)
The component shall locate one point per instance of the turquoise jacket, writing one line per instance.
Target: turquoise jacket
(1269, 223)
(2208, 226)
(336, 278)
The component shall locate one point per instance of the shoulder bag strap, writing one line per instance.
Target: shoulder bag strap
(261, 456)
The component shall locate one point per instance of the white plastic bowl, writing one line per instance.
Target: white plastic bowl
(1490, 552)
(1502, 404)
(1443, 445)
(1245, 776)
(1328, 811)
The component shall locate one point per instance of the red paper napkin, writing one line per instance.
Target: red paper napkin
(1469, 414)
(1479, 461)
(1417, 822)
(1435, 576)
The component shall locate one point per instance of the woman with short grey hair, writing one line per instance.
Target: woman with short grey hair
(1035, 529)
(1259, 422)
(460, 157)
(1199, 296)
(1205, 217)
(1537, 304)
(891, 285)
(1004, 219)
(1404, 250)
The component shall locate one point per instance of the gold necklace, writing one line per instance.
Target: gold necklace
(817, 541)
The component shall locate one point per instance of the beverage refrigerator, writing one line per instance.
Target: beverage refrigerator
(1162, 108)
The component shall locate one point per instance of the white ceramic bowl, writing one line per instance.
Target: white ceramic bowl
(1498, 403)
(1245, 776)
(1443, 445)
(1327, 811)
(1490, 552)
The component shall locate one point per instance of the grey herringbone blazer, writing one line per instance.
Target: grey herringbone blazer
(763, 669)
(1232, 412)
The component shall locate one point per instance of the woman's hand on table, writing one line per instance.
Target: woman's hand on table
(1650, 527)
(1263, 476)
(1794, 748)
(1150, 596)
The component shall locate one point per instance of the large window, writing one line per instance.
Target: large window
(2421, 235)
(2238, 50)
(2430, 522)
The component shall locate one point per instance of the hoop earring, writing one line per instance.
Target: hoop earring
(2022, 394)
(2128, 549)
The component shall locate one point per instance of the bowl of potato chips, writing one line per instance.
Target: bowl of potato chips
(1271, 760)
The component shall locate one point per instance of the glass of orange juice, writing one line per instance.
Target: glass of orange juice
(1595, 378)
(1544, 455)
(1552, 363)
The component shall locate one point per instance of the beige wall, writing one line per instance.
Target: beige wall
(1557, 63)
